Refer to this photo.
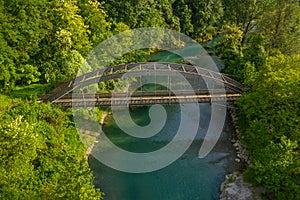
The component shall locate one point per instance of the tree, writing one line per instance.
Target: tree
(184, 13)
(7, 68)
(18, 147)
(275, 167)
(229, 49)
(271, 127)
(245, 13)
(68, 33)
(141, 13)
(21, 30)
(284, 32)
(41, 156)
(27, 74)
(205, 18)
(95, 16)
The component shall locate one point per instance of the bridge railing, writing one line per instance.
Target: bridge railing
(139, 69)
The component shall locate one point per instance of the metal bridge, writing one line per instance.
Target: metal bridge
(65, 94)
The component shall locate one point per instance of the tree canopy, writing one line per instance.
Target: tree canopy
(41, 156)
(46, 42)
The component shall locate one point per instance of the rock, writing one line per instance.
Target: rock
(235, 188)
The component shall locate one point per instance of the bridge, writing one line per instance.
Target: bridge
(65, 94)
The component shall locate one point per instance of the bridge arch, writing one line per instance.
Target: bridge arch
(138, 69)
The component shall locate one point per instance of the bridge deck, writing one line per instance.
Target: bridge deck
(142, 69)
(142, 98)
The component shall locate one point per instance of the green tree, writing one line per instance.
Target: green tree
(184, 13)
(229, 49)
(7, 68)
(68, 33)
(270, 121)
(245, 13)
(41, 156)
(168, 14)
(142, 13)
(19, 146)
(206, 18)
(22, 28)
(283, 33)
(276, 167)
(95, 16)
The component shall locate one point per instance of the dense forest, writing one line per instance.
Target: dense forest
(43, 43)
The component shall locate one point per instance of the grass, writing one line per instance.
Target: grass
(231, 179)
(15, 96)
(29, 92)
(6, 102)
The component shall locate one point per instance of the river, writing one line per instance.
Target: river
(188, 178)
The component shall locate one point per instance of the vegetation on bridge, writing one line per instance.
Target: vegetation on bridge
(45, 42)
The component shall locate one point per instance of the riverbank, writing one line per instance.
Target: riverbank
(187, 178)
(234, 186)
(242, 154)
(101, 122)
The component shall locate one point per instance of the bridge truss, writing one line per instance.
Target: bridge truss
(63, 93)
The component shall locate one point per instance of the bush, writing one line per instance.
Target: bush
(41, 156)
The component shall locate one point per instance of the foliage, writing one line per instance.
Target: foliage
(284, 32)
(27, 74)
(199, 19)
(229, 48)
(46, 42)
(29, 92)
(41, 155)
(95, 16)
(184, 13)
(245, 14)
(145, 13)
(206, 18)
(272, 127)
(69, 37)
(277, 168)
(21, 30)
(7, 102)
(239, 52)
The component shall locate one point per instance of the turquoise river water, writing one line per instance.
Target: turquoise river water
(188, 178)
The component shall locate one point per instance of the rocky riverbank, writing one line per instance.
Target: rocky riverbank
(90, 148)
(235, 187)
(241, 153)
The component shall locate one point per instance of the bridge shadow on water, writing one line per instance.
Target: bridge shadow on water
(188, 178)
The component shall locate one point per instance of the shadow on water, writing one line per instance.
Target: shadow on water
(188, 178)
